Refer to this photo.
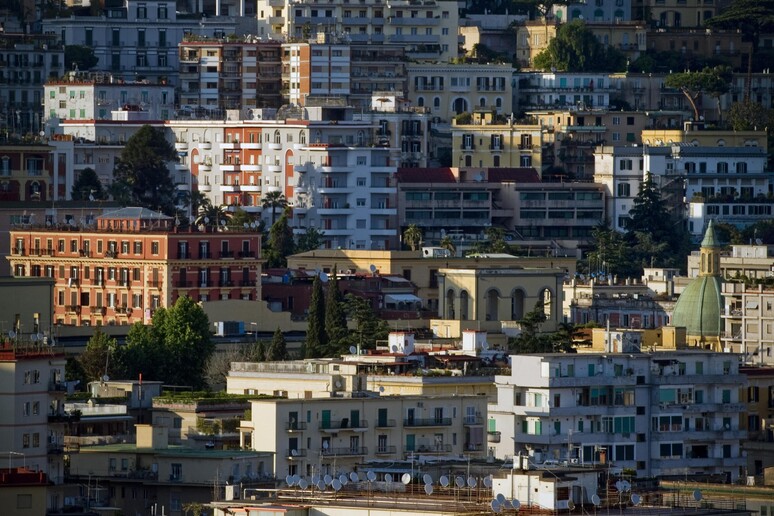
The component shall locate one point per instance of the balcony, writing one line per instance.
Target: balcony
(247, 283)
(429, 450)
(295, 426)
(97, 310)
(43, 252)
(64, 417)
(205, 187)
(384, 423)
(205, 166)
(300, 168)
(18, 251)
(344, 450)
(344, 424)
(225, 283)
(72, 309)
(233, 145)
(183, 284)
(493, 437)
(386, 450)
(251, 188)
(229, 188)
(274, 168)
(251, 167)
(57, 387)
(226, 254)
(55, 448)
(247, 254)
(205, 145)
(125, 284)
(181, 146)
(251, 145)
(295, 454)
(435, 421)
(155, 284)
(472, 421)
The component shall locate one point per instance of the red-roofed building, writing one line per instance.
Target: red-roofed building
(23, 491)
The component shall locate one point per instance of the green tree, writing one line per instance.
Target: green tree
(712, 81)
(315, 344)
(750, 116)
(448, 244)
(335, 317)
(280, 244)
(175, 347)
(412, 237)
(309, 240)
(87, 186)
(242, 220)
(278, 350)
(142, 170)
(79, 56)
(530, 340)
(576, 49)
(610, 253)
(211, 216)
(273, 200)
(370, 327)
(95, 359)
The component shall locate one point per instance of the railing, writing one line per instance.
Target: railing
(97, 310)
(472, 420)
(386, 450)
(204, 255)
(291, 454)
(437, 421)
(493, 437)
(183, 284)
(293, 426)
(155, 284)
(437, 448)
(227, 254)
(247, 254)
(384, 423)
(225, 283)
(344, 450)
(343, 424)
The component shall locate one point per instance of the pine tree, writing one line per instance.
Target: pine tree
(335, 318)
(315, 332)
(278, 350)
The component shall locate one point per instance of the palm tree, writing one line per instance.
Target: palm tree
(273, 200)
(412, 236)
(210, 215)
(448, 244)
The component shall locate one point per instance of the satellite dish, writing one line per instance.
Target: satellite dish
(353, 477)
(315, 479)
(343, 479)
(323, 276)
(500, 498)
(427, 479)
(296, 479)
(372, 268)
(460, 481)
(12, 334)
(515, 504)
(91, 197)
(506, 504)
(206, 220)
(105, 378)
(328, 479)
(34, 337)
(394, 348)
(471, 482)
(428, 489)
(325, 445)
(619, 486)
(488, 482)
(253, 225)
(303, 484)
(596, 500)
(337, 384)
(222, 222)
(381, 388)
(352, 350)
(321, 485)
(697, 495)
(246, 225)
(406, 479)
(444, 481)
(294, 453)
(388, 478)
(636, 499)
(627, 486)
(495, 505)
(758, 241)
(371, 476)
(289, 480)
(336, 485)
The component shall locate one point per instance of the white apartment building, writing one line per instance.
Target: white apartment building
(661, 414)
(447, 90)
(748, 322)
(427, 29)
(620, 170)
(333, 435)
(138, 39)
(597, 11)
(540, 90)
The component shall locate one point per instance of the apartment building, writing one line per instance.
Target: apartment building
(221, 74)
(596, 11)
(450, 89)
(26, 62)
(759, 399)
(131, 261)
(487, 142)
(33, 172)
(333, 435)
(426, 29)
(748, 322)
(620, 170)
(674, 13)
(674, 413)
(137, 38)
(94, 96)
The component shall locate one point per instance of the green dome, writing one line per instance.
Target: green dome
(699, 307)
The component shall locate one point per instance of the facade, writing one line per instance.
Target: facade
(450, 89)
(132, 262)
(95, 96)
(221, 74)
(27, 61)
(620, 170)
(747, 321)
(137, 39)
(33, 172)
(427, 31)
(674, 413)
(598, 11)
(25, 491)
(486, 143)
(759, 399)
(331, 436)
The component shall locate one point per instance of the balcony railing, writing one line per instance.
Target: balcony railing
(183, 284)
(345, 450)
(436, 448)
(295, 426)
(225, 283)
(247, 254)
(435, 421)
(296, 453)
(227, 254)
(386, 450)
(384, 423)
(343, 424)
(205, 255)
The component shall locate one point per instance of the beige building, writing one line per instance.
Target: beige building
(136, 476)
(331, 436)
(421, 271)
(202, 422)
(497, 298)
(450, 89)
(705, 138)
(23, 492)
(485, 143)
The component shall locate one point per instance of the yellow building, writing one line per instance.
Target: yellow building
(23, 492)
(486, 143)
(706, 138)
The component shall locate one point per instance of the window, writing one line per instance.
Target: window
(624, 190)
(154, 248)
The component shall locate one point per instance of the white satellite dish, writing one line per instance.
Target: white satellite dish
(627, 486)
(34, 337)
(394, 348)
(758, 241)
(596, 500)
(206, 220)
(337, 384)
(500, 498)
(495, 505)
(381, 388)
(488, 482)
(371, 476)
(427, 479)
(105, 378)
(444, 480)
(222, 222)
(315, 479)
(515, 504)
(289, 480)
(619, 486)
(296, 479)
(303, 484)
(321, 485)
(246, 225)
(506, 504)
(294, 453)
(406, 479)
(460, 481)
(471, 482)
(352, 350)
(428, 489)
(697, 495)
(353, 477)
(336, 485)
(636, 499)
(326, 445)
(388, 478)
(328, 479)
(343, 479)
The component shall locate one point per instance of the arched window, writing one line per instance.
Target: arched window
(420, 101)
(464, 302)
(450, 304)
(547, 297)
(482, 102)
(277, 137)
(492, 305)
(517, 305)
(498, 102)
(437, 102)
(302, 137)
(576, 14)
(599, 14)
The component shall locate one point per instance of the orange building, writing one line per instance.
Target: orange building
(133, 261)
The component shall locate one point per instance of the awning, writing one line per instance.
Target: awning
(402, 298)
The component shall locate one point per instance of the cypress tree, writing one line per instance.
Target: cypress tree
(335, 318)
(278, 350)
(315, 332)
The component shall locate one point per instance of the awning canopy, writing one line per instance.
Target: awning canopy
(402, 298)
